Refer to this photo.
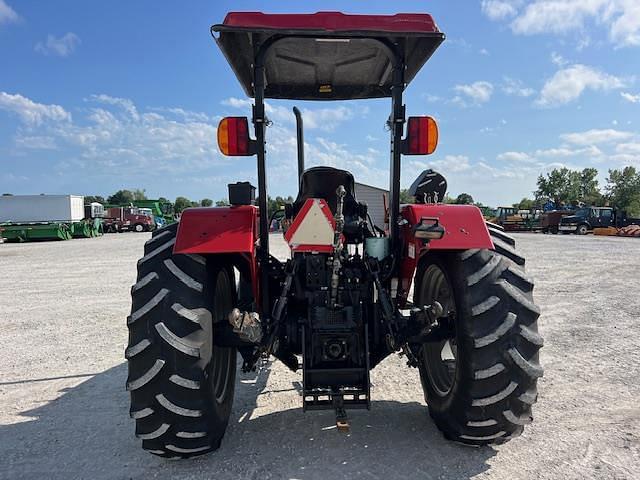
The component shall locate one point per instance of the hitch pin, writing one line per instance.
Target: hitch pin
(342, 422)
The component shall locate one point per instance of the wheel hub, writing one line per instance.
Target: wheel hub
(439, 358)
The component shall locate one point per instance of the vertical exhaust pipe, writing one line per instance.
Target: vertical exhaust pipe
(300, 138)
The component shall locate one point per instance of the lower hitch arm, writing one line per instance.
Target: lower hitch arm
(389, 312)
(270, 345)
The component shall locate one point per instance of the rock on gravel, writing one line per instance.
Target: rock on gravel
(64, 409)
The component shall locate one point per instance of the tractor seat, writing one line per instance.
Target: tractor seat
(322, 182)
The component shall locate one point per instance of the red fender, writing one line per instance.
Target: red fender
(465, 228)
(221, 230)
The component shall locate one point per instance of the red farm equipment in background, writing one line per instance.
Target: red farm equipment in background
(208, 288)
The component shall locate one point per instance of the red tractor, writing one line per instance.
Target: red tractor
(208, 288)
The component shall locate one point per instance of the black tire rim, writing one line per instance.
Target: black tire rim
(439, 358)
(222, 356)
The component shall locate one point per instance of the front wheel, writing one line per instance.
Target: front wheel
(582, 229)
(181, 384)
(480, 382)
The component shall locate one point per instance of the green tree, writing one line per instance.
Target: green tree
(405, 197)
(525, 204)
(94, 198)
(181, 203)
(464, 199)
(563, 185)
(121, 197)
(139, 194)
(222, 203)
(164, 200)
(589, 190)
(623, 190)
(206, 202)
(275, 204)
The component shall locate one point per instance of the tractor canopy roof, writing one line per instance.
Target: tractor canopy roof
(326, 55)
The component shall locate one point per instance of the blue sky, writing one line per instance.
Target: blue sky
(97, 96)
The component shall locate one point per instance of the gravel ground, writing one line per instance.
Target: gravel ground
(64, 410)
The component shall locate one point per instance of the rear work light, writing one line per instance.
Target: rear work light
(233, 137)
(422, 136)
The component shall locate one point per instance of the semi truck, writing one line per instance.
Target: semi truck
(123, 219)
(46, 217)
(162, 211)
(586, 219)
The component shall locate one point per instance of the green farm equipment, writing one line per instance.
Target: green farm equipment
(25, 218)
(25, 232)
(91, 227)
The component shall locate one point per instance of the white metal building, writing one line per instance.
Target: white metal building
(374, 198)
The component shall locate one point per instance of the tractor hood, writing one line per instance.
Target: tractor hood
(326, 55)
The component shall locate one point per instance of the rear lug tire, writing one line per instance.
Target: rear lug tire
(181, 384)
(495, 344)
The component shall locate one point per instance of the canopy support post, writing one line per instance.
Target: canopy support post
(259, 122)
(397, 121)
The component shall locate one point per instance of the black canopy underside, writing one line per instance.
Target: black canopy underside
(324, 65)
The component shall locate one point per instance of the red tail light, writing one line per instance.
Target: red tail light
(422, 136)
(233, 137)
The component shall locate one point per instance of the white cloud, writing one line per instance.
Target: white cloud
(477, 92)
(61, 47)
(625, 29)
(549, 158)
(133, 142)
(583, 43)
(629, 97)
(452, 163)
(36, 142)
(459, 42)
(516, 88)
(30, 112)
(568, 84)
(499, 9)
(237, 102)
(595, 136)
(183, 114)
(558, 59)
(620, 17)
(514, 157)
(628, 148)
(555, 16)
(7, 14)
(326, 119)
(484, 51)
(124, 103)
(590, 151)
(116, 137)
